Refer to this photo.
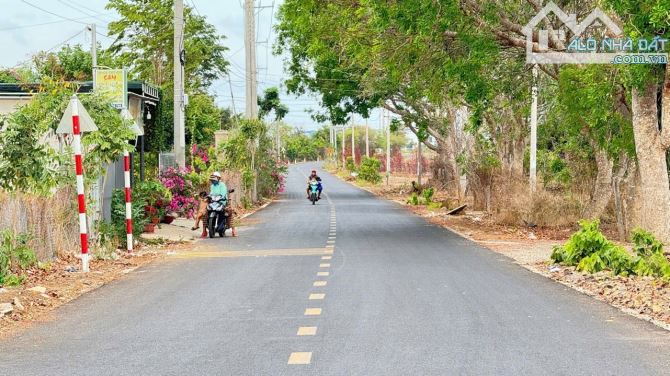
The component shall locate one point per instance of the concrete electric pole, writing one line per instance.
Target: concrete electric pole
(419, 160)
(388, 146)
(178, 58)
(353, 140)
(533, 134)
(251, 111)
(94, 47)
(367, 138)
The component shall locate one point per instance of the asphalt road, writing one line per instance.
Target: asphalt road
(401, 297)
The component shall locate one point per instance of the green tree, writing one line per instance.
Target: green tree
(203, 118)
(144, 40)
(29, 164)
(271, 102)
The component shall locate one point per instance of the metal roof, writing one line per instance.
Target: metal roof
(141, 88)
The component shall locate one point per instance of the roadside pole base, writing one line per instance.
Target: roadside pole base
(84, 263)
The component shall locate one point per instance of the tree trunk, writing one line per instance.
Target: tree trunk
(602, 188)
(654, 188)
(444, 169)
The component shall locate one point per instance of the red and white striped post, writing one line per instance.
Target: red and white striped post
(129, 205)
(79, 169)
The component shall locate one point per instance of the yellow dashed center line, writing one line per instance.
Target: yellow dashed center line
(317, 296)
(324, 265)
(320, 283)
(307, 330)
(300, 358)
(312, 311)
(323, 274)
(326, 257)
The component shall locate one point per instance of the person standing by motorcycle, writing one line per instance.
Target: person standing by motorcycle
(316, 177)
(219, 188)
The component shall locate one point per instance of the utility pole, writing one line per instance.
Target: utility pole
(94, 47)
(367, 138)
(179, 132)
(419, 161)
(388, 146)
(353, 140)
(533, 133)
(344, 148)
(333, 132)
(251, 111)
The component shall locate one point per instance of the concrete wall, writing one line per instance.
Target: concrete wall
(9, 104)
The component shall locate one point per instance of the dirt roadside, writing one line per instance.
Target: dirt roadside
(643, 297)
(60, 281)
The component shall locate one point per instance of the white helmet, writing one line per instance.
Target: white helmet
(215, 175)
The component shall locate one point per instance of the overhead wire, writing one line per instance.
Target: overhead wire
(50, 48)
(52, 13)
(78, 9)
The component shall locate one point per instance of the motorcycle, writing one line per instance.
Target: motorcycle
(218, 218)
(314, 192)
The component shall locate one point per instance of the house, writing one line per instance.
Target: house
(538, 50)
(143, 99)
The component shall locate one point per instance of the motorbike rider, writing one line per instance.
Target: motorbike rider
(218, 187)
(316, 177)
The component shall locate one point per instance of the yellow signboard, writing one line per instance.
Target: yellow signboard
(112, 84)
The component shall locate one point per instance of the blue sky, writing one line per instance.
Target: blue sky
(22, 36)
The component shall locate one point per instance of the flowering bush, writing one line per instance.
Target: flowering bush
(200, 158)
(280, 181)
(183, 201)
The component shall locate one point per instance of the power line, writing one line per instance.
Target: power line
(78, 9)
(87, 8)
(52, 13)
(51, 48)
(41, 24)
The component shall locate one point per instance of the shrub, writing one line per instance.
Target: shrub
(118, 223)
(413, 199)
(350, 165)
(183, 193)
(586, 241)
(591, 252)
(15, 255)
(369, 170)
(428, 195)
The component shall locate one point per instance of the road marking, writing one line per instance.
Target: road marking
(254, 253)
(323, 274)
(307, 330)
(326, 257)
(320, 283)
(300, 358)
(331, 237)
(324, 265)
(330, 241)
(317, 296)
(312, 311)
(329, 249)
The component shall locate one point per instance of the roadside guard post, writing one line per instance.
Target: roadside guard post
(129, 205)
(137, 131)
(75, 121)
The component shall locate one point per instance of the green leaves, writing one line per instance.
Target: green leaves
(592, 252)
(270, 102)
(31, 164)
(15, 255)
(144, 42)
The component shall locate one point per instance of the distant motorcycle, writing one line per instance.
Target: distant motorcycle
(218, 218)
(314, 192)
